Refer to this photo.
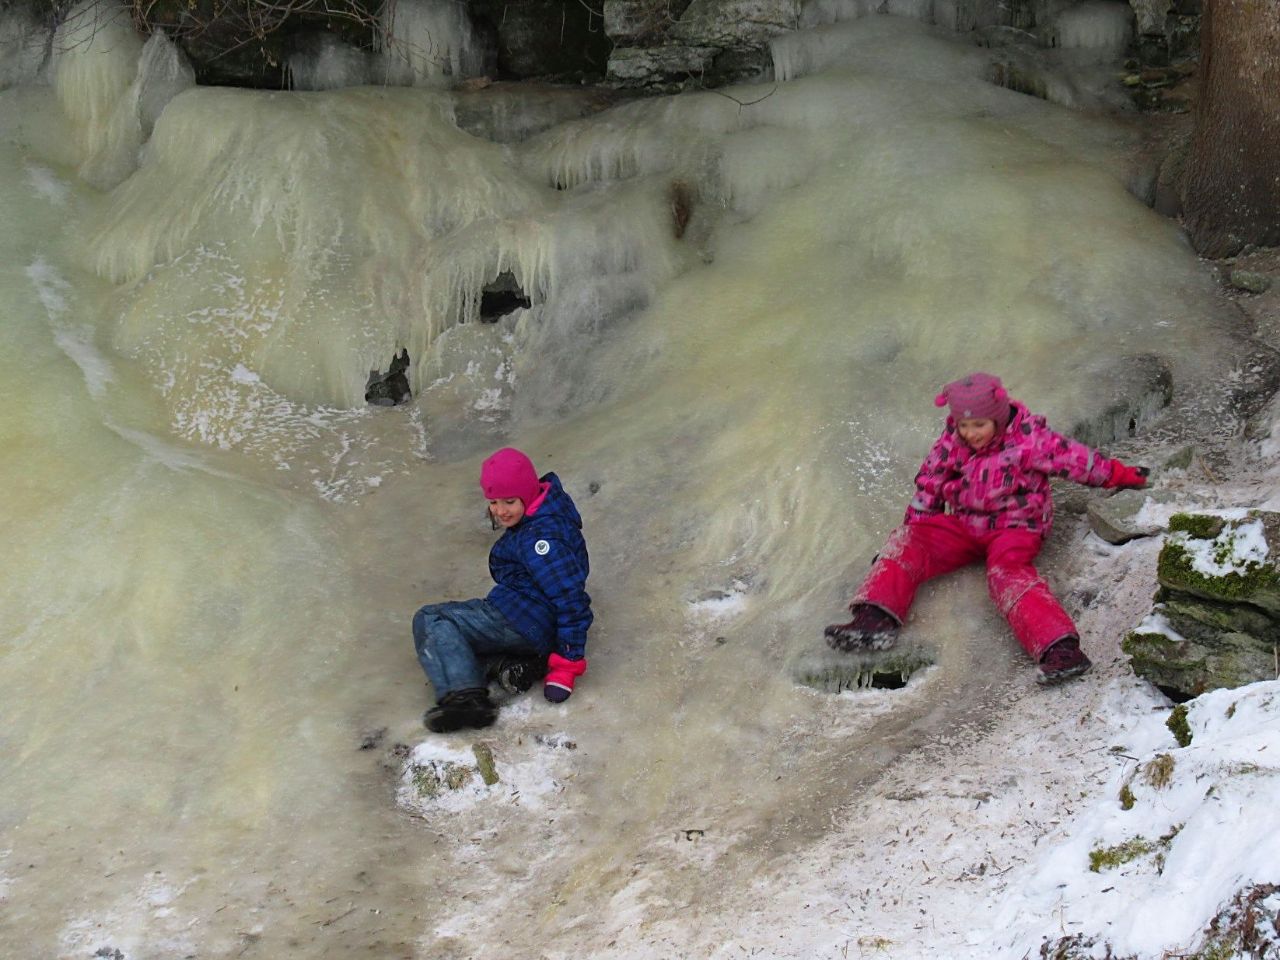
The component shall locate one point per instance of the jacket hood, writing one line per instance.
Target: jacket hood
(557, 504)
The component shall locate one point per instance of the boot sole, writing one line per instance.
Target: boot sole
(1061, 676)
(861, 644)
(449, 722)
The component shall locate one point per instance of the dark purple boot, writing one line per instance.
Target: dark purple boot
(1062, 661)
(870, 629)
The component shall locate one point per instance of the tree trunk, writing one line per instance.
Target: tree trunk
(1233, 175)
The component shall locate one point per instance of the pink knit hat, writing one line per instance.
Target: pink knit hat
(979, 396)
(509, 473)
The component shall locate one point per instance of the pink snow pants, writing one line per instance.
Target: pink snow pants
(934, 545)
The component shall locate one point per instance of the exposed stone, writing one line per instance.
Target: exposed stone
(1200, 620)
(1114, 518)
(544, 38)
(735, 24)
(1255, 583)
(1249, 281)
(500, 297)
(1182, 459)
(1142, 388)
(392, 387)
(1185, 668)
(1151, 14)
(641, 23)
(671, 66)
(1211, 630)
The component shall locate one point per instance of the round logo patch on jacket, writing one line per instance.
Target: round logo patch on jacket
(542, 548)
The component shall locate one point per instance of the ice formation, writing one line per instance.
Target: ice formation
(1101, 27)
(741, 305)
(428, 43)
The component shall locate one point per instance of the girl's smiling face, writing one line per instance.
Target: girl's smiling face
(508, 511)
(977, 432)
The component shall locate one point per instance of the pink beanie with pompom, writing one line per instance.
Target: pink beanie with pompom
(509, 473)
(979, 396)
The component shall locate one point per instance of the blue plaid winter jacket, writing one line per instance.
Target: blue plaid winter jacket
(540, 569)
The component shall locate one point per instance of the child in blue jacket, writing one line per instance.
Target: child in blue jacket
(533, 624)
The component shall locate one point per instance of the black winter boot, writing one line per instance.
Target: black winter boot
(515, 674)
(870, 629)
(461, 708)
(1062, 661)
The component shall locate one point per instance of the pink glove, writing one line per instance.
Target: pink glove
(560, 676)
(1124, 476)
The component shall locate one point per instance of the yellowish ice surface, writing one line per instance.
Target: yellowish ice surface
(212, 547)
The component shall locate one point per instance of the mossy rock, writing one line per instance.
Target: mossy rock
(1114, 518)
(1201, 526)
(1202, 620)
(1257, 584)
(1187, 668)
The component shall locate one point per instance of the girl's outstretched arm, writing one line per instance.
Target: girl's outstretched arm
(1058, 456)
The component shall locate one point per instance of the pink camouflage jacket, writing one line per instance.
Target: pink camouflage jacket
(1006, 484)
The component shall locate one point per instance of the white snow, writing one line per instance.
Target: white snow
(981, 849)
(1238, 548)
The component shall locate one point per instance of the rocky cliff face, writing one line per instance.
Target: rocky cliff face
(654, 45)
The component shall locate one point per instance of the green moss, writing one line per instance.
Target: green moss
(1196, 525)
(1215, 950)
(1127, 798)
(1178, 726)
(1159, 771)
(1158, 647)
(1104, 858)
(1242, 769)
(426, 782)
(1174, 569)
(431, 779)
(485, 764)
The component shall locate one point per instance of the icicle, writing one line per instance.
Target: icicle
(428, 43)
(96, 62)
(329, 65)
(1101, 27)
(163, 73)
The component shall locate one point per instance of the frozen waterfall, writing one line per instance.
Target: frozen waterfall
(741, 305)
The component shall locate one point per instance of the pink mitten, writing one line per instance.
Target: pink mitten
(561, 673)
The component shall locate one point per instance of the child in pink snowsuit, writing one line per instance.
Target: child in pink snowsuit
(983, 493)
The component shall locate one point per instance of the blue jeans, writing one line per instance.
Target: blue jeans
(451, 638)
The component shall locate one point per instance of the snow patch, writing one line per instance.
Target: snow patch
(442, 776)
(1237, 549)
(719, 604)
(1211, 828)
